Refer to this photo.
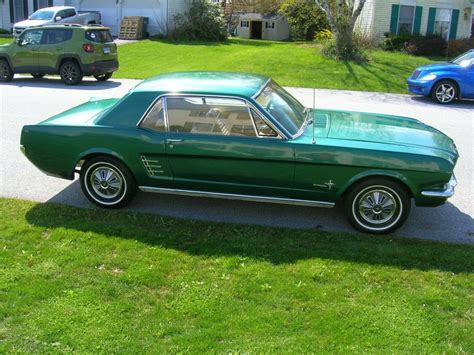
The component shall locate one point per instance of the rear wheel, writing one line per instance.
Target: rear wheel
(107, 182)
(103, 77)
(6, 72)
(71, 73)
(37, 75)
(444, 92)
(377, 206)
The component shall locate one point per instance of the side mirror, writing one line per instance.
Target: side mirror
(58, 18)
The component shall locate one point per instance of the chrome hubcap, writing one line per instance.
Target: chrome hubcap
(445, 93)
(377, 206)
(106, 182)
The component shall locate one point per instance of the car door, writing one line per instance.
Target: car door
(213, 144)
(25, 57)
(467, 84)
(51, 48)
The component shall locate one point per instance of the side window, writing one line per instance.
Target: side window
(57, 36)
(32, 37)
(69, 13)
(155, 118)
(209, 115)
(61, 14)
(263, 129)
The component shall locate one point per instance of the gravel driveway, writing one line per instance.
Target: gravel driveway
(28, 101)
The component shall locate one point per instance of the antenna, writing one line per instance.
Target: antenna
(314, 107)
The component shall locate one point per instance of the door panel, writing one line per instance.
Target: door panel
(467, 88)
(212, 145)
(51, 47)
(25, 58)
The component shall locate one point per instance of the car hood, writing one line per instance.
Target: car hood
(438, 66)
(30, 23)
(86, 114)
(377, 128)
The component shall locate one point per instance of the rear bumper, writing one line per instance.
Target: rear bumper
(100, 67)
(419, 87)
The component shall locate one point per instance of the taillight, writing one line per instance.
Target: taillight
(89, 48)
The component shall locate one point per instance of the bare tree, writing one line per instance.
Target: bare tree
(342, 16)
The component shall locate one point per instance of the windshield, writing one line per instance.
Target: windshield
(42, 15)
(283, 107)
(465, 59)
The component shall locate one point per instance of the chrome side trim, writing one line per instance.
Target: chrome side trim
(285, 201)
(446, 193)
(262, 88)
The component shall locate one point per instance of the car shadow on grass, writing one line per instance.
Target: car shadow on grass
(56, 83)
(208, 228)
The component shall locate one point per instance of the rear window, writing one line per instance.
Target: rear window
(99, 36)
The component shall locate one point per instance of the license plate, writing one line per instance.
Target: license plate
(106, 50)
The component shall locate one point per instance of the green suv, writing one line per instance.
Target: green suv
(72, 51)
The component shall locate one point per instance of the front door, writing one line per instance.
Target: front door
(256, 29)
(25, 57)
(51, 47)
(213, 144)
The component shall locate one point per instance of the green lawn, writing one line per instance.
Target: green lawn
(98, 281)
(289, 63)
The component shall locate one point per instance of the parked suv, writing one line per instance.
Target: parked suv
(71, 51)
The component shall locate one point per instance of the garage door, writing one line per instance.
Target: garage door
(108, 10)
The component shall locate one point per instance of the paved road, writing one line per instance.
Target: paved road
(26, 101)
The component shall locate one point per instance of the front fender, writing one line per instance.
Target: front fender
(379, 173)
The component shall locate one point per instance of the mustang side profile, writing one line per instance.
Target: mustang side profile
(241, 136)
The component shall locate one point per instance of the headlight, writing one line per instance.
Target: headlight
(428, 77)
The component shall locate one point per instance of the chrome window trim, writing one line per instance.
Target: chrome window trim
(250, 198)
(257, 108)
(264, 86)
(255, 125)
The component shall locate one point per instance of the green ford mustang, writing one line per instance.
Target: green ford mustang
(242, 136)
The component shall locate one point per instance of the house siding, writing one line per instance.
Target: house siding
(376, 16)
(161, 13)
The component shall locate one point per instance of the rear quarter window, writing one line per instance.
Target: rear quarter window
(99, 36)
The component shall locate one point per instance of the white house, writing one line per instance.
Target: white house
(159, 12)
(451, 19)
(258, 26)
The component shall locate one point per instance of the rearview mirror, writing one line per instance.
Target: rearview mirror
(58, 18)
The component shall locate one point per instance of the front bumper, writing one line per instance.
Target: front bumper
(419, 87)
(447, 192)
(100, 67)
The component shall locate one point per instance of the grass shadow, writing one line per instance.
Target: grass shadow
(274, 245)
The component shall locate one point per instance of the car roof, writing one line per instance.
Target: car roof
(215, 83)
(56, 8)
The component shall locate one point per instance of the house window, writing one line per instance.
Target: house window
(405, 19)
(18, 10)
(269, 24)
(244, 24)
(443, 22)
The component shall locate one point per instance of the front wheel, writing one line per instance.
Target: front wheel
(71, 73)
(107, 182)
(444, 92)
(6, 73)
(377, 206)
(103, 77)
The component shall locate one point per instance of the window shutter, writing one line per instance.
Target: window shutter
(25, 9)
(50, 3)
(12, 14)
(454, 25)
(35, 5)
(417, 24)
(431, 21)
(394, 19)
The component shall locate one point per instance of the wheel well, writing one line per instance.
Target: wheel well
(81, 161)
(385, 177)
(458, 88)
(68, 59)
